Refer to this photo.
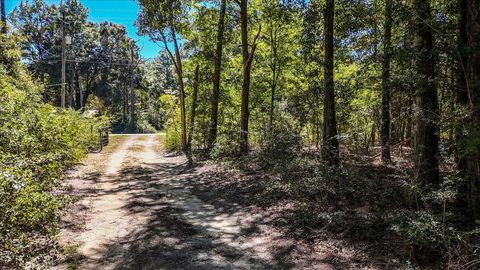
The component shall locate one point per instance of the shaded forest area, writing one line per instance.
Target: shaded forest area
(359, 118)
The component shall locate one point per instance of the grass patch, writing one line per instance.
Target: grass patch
(72, 256)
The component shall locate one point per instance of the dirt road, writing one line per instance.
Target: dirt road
(136, 210)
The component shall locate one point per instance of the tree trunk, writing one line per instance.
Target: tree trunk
(177, 61)
(78, 90)
(181, 89)
(132, 103)
(461, 99)
(88, 85)
(193, 109)
(124, 107)
(387, 50)
(246, 78)
(371, 138)
(71, 87)
(473, 75)
(407, 135)
(330, 140)
(317, 126)
(132, 89)
(80, 93)
(275, 72)
(462, 93)
(247, 58)
(216, 76)
(426, 137)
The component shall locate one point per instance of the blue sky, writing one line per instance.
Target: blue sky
(117, 11)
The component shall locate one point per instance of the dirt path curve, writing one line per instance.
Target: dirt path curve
(140, 213)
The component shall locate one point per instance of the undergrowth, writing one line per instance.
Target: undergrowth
(363, 202)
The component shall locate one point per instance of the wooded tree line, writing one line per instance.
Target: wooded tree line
(103, 68)
(345, 76)
(403, 71)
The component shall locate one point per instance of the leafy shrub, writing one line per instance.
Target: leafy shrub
(281, 147)
(94, 103)
(438, 229)
(419, 229)
(173, 130)
(303, 177)
(227, 144)
(173, 138)
(37, 142)
(143, 124)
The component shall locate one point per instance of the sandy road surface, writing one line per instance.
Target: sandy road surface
(137, 211)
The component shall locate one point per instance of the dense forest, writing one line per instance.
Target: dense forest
(341, 104)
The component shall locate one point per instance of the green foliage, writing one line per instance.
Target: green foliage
(172, 126)
(105, 58)
(281, 147)
(428, 236)
(157, 79)
(288, 65)
(227, 143)
(143, 125)
(95, 105)
(302, 177)
(37, 142)
(421, 229)
(438, 229)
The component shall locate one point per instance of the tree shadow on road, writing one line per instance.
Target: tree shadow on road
(181, 231)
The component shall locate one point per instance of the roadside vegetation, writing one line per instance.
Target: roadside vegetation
(38, 142)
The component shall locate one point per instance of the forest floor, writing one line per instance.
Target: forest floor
(137, 206)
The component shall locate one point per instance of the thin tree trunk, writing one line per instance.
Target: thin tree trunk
(371, 138)
(124, 107)
(275, 72)
(246, 78)
(318, 129)
(401, 131)
(473, 89)
(408, 134)
(177, 61)
(387, 50)
(71, 87)
(461, 100)
(132, 89)
(88, 85)
(426, 99)
(216, 76)
(373, 135)
(330, 140)
(247, 58)
(193, 109)
(181, 91)
(461, 91)
(80, 92)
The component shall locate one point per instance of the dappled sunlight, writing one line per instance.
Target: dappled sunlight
(144, 215)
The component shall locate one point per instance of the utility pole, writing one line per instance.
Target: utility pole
(4, 17)
(80, 90)
(64, 60)
(132, 89)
